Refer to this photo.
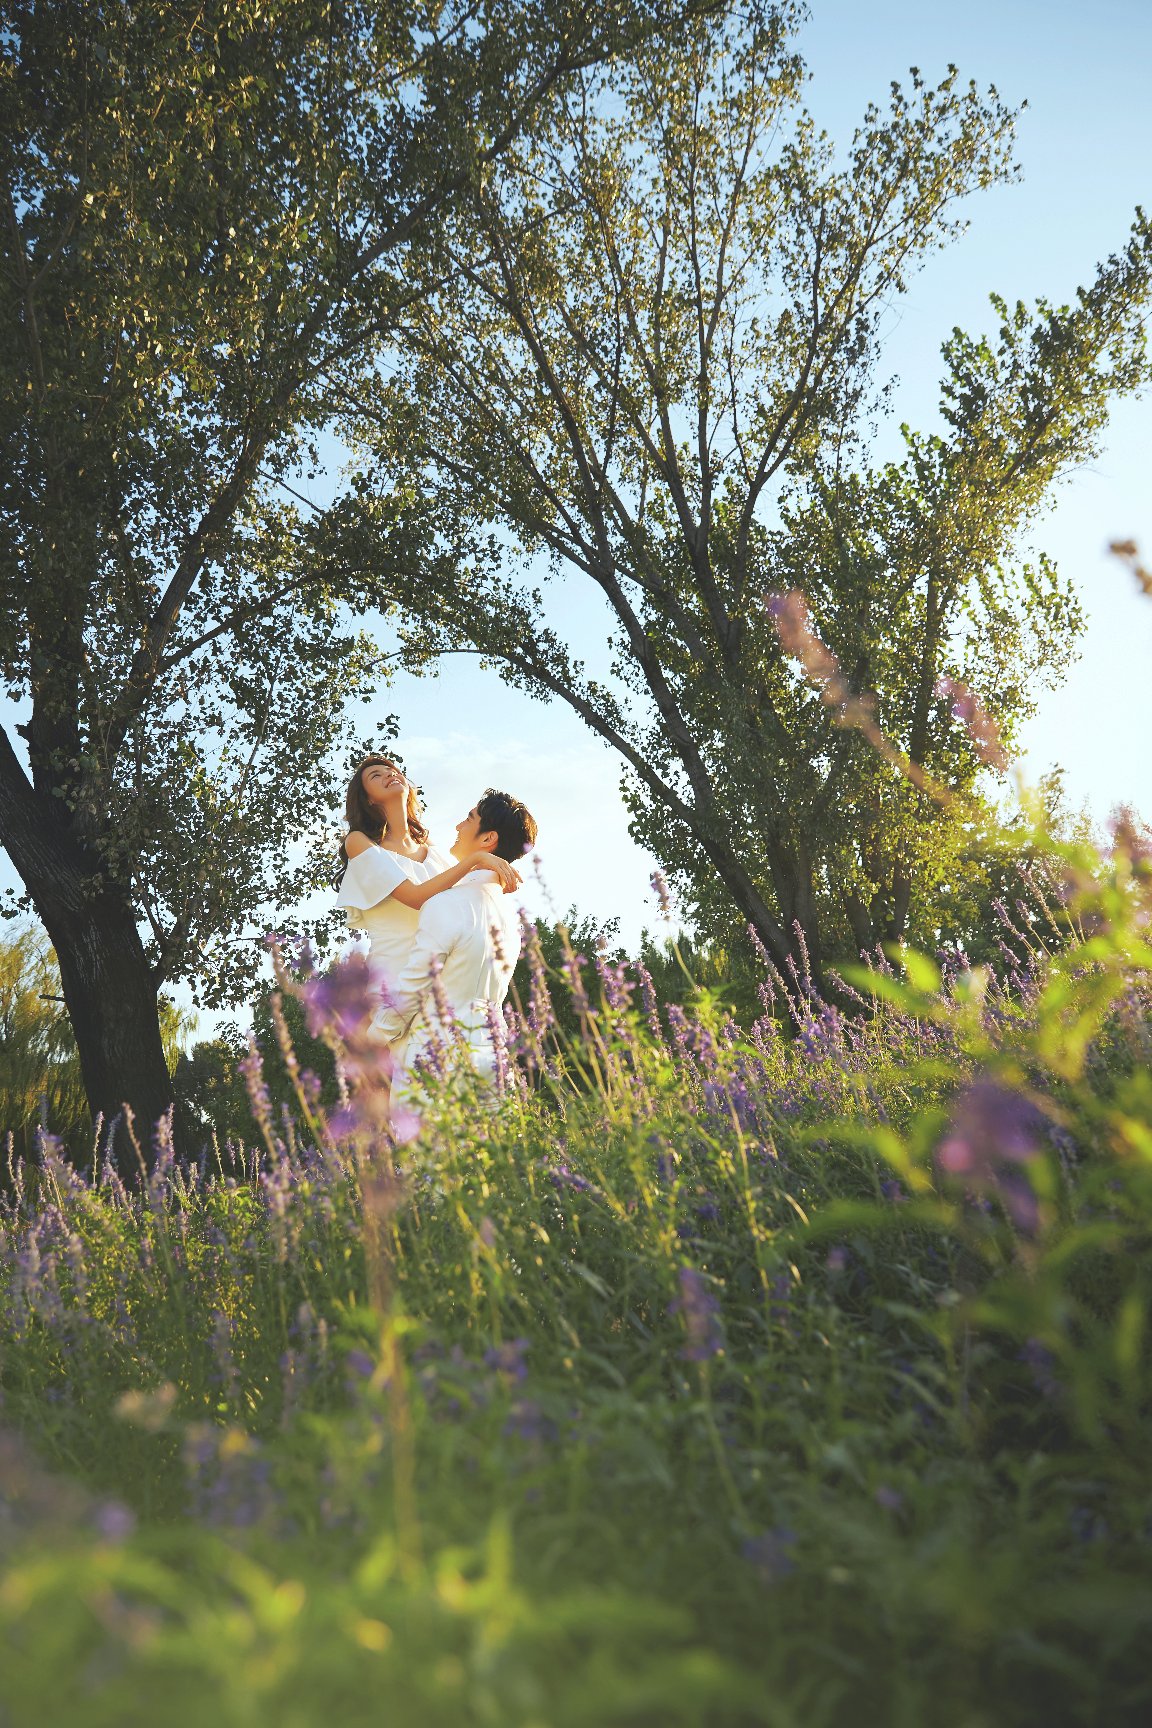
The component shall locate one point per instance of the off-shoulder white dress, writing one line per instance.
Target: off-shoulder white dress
(367, 898)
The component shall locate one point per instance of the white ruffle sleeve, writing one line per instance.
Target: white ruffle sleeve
(370, 877)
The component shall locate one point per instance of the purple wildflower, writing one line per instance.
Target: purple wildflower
(527, 1421)
(994, 1134)
(665, 1161)
(541, 1016)
(1041, 1365)
(360, 1363)
(509, 1359)
(115, 1521)
(573, 967)
(432, 1061)
(758, 947)
(310, 1085)
(498, 1033)
(771, 1553)
(700, 1312)
(345, 1123)
(651, 1006)
(614, 982)
(343, 1001)
(681, 1031)
(780, 1306)
(663, 894)
(405, 1124)
(563, 1176)
(259, 1098)
(446, 1019)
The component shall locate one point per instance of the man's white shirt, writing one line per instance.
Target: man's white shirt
(466, 948)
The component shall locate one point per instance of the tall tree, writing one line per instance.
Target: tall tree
(661, 376)
(211, 216)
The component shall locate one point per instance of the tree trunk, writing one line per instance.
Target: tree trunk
(792, 879)
(104, 973)
(901, 902)
(740, 885)
(859, 919)
(111, 1002)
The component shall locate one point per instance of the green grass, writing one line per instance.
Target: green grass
(696, 1389)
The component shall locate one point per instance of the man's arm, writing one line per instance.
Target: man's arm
(436, 934)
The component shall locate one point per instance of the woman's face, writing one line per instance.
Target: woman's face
(382, 783)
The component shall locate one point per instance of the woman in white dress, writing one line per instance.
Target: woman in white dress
(392, 866)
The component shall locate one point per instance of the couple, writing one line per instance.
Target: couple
(444, 940)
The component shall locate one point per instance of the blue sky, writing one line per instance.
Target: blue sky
(1087, 159)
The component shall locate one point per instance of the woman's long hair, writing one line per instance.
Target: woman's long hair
(361, 814)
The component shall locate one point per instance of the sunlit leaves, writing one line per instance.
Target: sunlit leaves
(656, 366)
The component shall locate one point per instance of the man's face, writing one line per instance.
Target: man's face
(470, 838)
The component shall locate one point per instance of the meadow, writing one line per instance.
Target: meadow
(789, 1369)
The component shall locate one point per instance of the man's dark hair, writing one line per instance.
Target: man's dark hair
(515, 827)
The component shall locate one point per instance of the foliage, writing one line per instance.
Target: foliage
(212, 214)
(671, 969)
(212, 1094)
(40, 1075)
(660, 373)
(717, 1378)
(40, 1080)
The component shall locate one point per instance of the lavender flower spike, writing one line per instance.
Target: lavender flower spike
(700, 1312)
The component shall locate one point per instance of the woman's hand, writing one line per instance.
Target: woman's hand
(508, 877)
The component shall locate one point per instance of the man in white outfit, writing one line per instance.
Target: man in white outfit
(467, 945)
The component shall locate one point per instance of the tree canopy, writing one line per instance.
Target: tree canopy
(657, 369)
(213, 216)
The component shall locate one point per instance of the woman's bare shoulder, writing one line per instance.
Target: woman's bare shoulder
(356, 842)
